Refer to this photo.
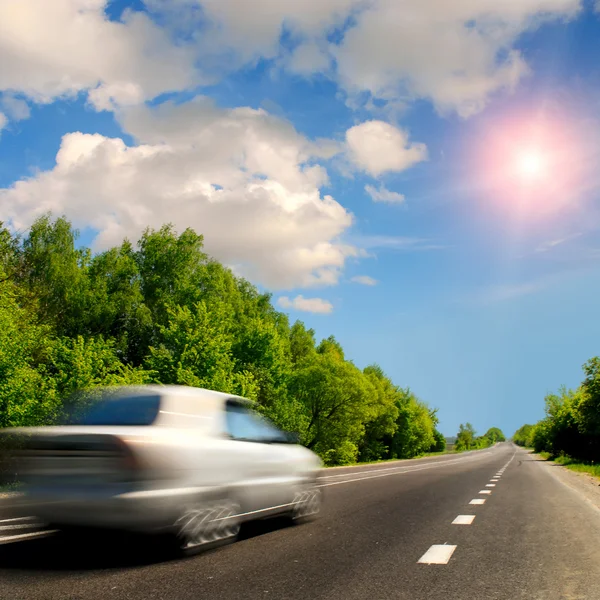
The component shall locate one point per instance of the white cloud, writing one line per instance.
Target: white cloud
(382, 194)
(549, 245)
(59, 48)
(377, 147)
(308, 59)
(391, 242)
(455, 53)
(241, 177)
(3, 121)
(364, 280)
(253, 29)
(17, 108)
(312, 305)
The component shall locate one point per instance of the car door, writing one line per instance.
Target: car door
(267, 480)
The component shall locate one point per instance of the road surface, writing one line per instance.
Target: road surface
(487, 524)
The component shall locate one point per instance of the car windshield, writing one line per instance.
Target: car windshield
(124, 411)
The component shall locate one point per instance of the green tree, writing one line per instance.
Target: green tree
(54, 273)
(524, 435)
(415, 433)
(588, 412)
(163, 311)
(333, 394)
(381, 419)
(27, 395)
(465, 439)
(439, 444)
(494, 435)
(194, 348)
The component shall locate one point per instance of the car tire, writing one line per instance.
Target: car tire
(205, 524)
(307, 504)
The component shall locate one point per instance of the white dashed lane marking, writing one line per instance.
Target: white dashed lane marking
(463, 520)
(438, 554)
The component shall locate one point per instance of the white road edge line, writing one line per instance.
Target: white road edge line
(386, 470)
(438, 554)
(477, 501)
(463, 520)
(395, 472)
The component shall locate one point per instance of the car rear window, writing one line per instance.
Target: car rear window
(126, 411)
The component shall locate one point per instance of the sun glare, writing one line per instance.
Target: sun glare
(531, 164)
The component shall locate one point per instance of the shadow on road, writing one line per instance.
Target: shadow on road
(101, 550)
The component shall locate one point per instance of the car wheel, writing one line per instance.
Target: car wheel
(307, 504)
(207, 524)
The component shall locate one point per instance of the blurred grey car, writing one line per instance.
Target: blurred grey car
(188, 461)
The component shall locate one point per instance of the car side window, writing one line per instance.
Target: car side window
(244, 424)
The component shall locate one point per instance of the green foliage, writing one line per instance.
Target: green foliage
(415, 433)
(494, 435)
(162, 311)
(439, 444)
(524, 436)
(467, 440)
(571, 426)
(27, 395)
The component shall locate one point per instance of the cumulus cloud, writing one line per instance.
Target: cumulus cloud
(253, 29)
(454, 53)
(241, 177)
(377, 147)
(312, 305)
(16, 108)
(308, 59)
(3, 121)
(364, 280)
(382, 194)
(60, 48)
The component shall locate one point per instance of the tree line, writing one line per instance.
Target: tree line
(163, 311)
(571, 426)
(467, 439)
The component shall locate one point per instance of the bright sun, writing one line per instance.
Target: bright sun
(531, 164)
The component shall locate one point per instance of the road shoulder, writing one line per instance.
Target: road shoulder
(587, 486)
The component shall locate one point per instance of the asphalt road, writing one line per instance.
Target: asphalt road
(532, 538)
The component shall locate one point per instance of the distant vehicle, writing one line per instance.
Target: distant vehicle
(191, 462)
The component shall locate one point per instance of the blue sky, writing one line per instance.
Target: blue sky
(470, 271)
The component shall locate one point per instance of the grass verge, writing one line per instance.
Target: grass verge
(389, 460)
(573, 464)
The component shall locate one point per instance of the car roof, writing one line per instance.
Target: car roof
(174, 391)
(181, 404)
